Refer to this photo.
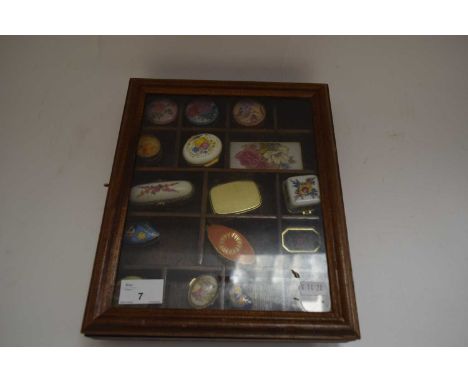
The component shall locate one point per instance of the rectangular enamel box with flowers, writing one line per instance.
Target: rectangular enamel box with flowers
(266, 155)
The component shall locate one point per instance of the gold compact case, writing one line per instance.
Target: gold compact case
(235, 197)
(300, 240)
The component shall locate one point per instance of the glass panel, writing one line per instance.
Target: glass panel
(225, 208)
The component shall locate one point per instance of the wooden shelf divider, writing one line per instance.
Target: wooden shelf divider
(164, 268)
(178, 147)
(218, 169)
(201, 237)
(135, 213)
(240, 216)
(275, 119)
(278, 211)
(200, 129)
(227, 136)
(300, 217)
(222, 292)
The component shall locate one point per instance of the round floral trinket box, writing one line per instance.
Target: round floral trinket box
(249, 113)
(202, 112)
(149, 148)
(162, 111)
(203, 291)
(202, 150)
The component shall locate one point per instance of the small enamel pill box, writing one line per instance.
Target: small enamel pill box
(248, 113)
(162, 111)
(301, 193)
(202, 111)
(149, 148)
(161, 193)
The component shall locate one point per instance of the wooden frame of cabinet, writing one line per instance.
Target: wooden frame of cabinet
(101, 318)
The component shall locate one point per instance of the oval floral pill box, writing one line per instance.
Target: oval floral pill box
(160, 193)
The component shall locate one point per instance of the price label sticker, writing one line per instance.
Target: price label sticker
(312, 288)
(141, 292)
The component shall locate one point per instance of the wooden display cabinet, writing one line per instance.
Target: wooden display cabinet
(280, 308)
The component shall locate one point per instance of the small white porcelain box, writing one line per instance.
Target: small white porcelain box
(301, 193)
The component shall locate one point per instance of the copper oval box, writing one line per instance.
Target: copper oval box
(214, 214)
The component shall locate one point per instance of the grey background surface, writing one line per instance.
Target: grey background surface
(400, 107)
